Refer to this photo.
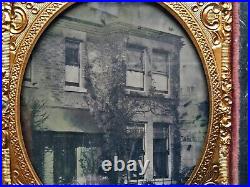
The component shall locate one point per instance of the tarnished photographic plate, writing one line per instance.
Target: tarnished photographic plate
(116, 93)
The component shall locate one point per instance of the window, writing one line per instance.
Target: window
(28, 71)
(190, 90)
(161, 150)
(72, 63)
(64, 161)
(27, 75)
(135, 147)
(135, 68)
(28, 79)
(160, 71)
(75, 157)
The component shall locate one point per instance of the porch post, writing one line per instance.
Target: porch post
(79, 170)
(48, 165)
(149, 148)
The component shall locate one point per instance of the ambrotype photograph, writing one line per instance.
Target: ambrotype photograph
(114, 93)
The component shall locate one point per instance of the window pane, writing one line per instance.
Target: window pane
(135, 130)
(136, 152)
(135, 147)
(161, 130)
(135, 79)
(65, 161)
(27, 75)
(72, 75)
(28, 71)
(135, 59)
(160, 62)
(160, 165)
(160, 82)
(161, 150)
(160, 145)
(72, 53)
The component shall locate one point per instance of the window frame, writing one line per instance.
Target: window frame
(30, 82)
(168, 61)
(28, 67)
(134, 47)
(136, 125)
(70, 86)
(168, 152)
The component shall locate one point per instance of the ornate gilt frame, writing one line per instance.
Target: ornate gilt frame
(207, 24)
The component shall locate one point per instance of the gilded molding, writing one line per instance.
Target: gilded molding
(32, 6)
(5, 94)
(226, 101)
(209, 27)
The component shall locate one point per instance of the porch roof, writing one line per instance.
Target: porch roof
(69, 120)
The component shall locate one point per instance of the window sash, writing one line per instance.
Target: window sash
(72, 63)
(160, 62)
(135, 56)
(65, 164)
(160, 70)
(135, 79)
(72, 76)
(160, 82)
(137, 153)
(160, 159)
(161, 150)
(161, 130)
(135, 67)
(136, 129)
(72, 50)
(136, 137)
(28, 72)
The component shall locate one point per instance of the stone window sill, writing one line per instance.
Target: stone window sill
(30, 84)
(165, 95)
(75, 89)
(136, 92)
(145, 93)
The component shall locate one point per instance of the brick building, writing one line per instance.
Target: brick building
(56, 77)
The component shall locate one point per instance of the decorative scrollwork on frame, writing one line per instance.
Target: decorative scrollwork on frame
(14, 21)
(14, 18)
(6, 166)
(213, 175)
(226, 88)
(227, 20)
(5, 99)
(217, 17)
(212, 16)
(16, 177)
(196, 6)
(32, 6)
